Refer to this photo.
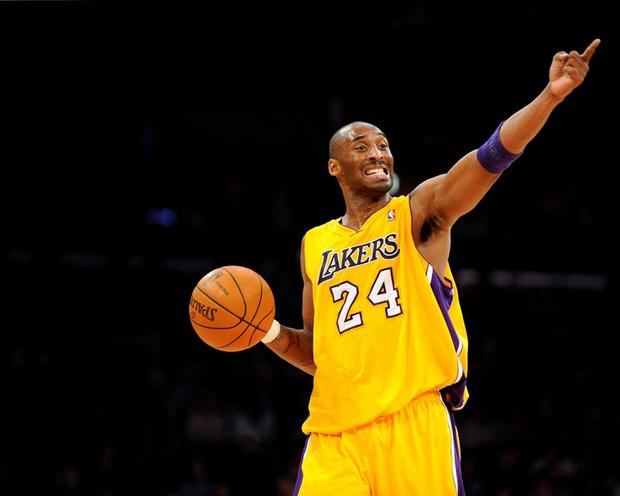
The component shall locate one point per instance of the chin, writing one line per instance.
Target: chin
(381, 188)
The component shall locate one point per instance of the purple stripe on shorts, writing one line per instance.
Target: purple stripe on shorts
(300, 473)
(457, 456)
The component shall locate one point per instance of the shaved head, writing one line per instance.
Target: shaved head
(347, 133)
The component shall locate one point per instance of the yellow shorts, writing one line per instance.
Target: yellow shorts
(414, 452)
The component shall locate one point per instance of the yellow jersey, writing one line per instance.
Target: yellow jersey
(386, 328)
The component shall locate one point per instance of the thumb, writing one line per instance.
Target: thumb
(560, 56)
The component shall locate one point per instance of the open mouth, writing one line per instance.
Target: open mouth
(379, 171)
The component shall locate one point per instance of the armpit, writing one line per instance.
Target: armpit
(429, 227)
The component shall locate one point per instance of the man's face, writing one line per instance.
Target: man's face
(365, 159)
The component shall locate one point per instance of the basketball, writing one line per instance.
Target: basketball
(232, 308)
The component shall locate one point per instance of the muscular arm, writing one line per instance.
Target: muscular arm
(459, 191)
(437, 203)
(295, 345)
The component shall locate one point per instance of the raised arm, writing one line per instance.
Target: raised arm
(295, 345)
(439, 202)
(567, 71)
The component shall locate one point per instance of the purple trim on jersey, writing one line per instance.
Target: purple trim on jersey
(300, 473)
(457, 458)
(444, 296)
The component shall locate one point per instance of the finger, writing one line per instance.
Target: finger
(577, 62)
(560, 56)
(574, 74)
(588, 52)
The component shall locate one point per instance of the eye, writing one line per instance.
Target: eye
(383, 146)
(360, 148)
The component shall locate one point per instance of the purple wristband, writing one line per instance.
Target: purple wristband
(493, 156)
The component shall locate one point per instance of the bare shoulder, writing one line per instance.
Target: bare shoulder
(426, 187)
(307, 302)
(302, 258)
(421, 198)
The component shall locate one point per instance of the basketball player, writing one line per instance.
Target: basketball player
(383, 332)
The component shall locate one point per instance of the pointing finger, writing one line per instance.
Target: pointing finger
(588, 52)
(573, 73)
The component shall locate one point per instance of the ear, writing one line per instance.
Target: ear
(333, 166)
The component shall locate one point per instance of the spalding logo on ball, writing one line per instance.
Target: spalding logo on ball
(232, 308)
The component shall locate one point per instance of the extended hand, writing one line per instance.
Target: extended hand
(568, 70)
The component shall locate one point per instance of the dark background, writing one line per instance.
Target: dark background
(146, 145)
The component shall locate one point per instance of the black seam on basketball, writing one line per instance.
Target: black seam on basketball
(267, 314)
(237, 336)
(251, 337)
(260, 280)
(215, 328)
(256, 328)
(245, 305)
(260, 298)
(241, 319)
(263, 319)
(225, 308)
(205, 326)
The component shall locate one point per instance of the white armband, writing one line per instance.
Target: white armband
(272, 333)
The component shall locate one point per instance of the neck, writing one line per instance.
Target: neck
(359, 209)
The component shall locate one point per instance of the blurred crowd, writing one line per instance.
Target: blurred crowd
(110, 391)
(129, 180)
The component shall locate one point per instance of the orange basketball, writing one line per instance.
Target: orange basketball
(232, 308)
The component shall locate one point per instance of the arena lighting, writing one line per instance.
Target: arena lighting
(466, 277)
(395, 184)
(527, 279)
(164, 217)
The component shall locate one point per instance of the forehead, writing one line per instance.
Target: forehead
(363, 130)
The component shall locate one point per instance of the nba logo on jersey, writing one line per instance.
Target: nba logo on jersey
(391, 215)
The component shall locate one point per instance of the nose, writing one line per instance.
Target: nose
(375, 153)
